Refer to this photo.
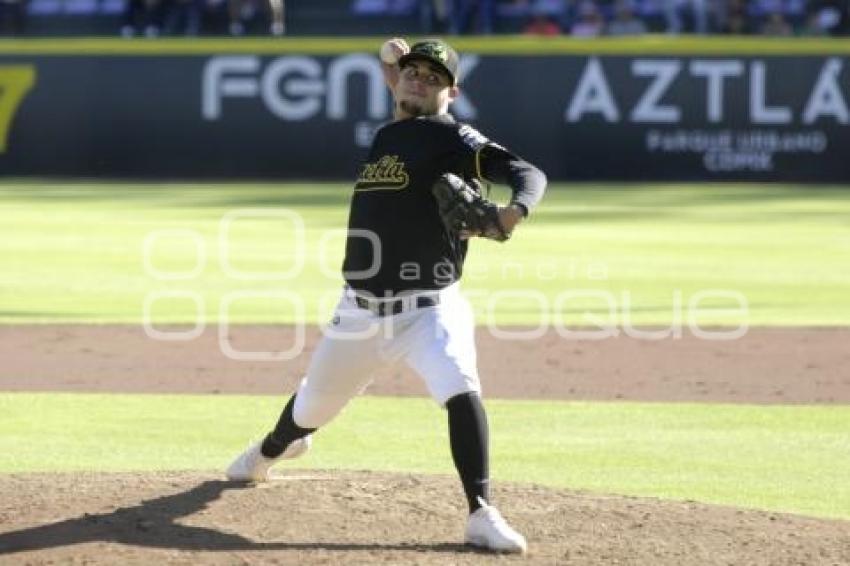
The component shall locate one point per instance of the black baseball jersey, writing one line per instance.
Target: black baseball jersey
(396, 239)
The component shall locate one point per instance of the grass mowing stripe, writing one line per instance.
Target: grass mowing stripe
(74, 252)
(785, 458)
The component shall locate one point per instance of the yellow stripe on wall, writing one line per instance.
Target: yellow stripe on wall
(494, 45)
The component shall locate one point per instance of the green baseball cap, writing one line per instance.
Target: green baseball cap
(436, 51)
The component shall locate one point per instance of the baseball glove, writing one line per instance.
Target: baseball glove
(465, 211)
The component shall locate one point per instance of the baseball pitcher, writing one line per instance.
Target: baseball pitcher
(416, 205)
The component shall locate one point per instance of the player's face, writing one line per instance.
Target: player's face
(423, 89)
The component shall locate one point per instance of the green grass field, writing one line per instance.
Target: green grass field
(76, 253)
(611, 253)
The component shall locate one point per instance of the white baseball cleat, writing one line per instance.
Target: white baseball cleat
(487, 529)
(251, 465)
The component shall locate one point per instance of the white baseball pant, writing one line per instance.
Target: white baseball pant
(438, 342)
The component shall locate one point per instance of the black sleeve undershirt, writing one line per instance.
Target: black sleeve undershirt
(527, 182)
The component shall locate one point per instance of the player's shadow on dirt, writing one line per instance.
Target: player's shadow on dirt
(153, 523)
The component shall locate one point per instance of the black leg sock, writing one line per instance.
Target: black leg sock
(284, 433)
(469, 436)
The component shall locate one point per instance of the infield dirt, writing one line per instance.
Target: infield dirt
(776, 365)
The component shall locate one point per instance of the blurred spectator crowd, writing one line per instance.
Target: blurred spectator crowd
(581, 18)
(146, 18)
(591, 18)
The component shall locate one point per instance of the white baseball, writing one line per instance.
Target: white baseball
(388, 53)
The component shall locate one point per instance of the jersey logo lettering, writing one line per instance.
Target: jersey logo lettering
(387, 173)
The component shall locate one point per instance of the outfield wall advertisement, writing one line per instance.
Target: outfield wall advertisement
(300, 115)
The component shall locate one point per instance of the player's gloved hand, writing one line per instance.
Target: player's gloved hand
(509, 216)
(466, 213)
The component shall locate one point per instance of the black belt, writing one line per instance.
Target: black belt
(396, 306)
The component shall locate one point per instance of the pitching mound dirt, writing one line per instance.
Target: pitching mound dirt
(309, 517)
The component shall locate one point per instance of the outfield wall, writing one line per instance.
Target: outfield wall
(638, 109)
